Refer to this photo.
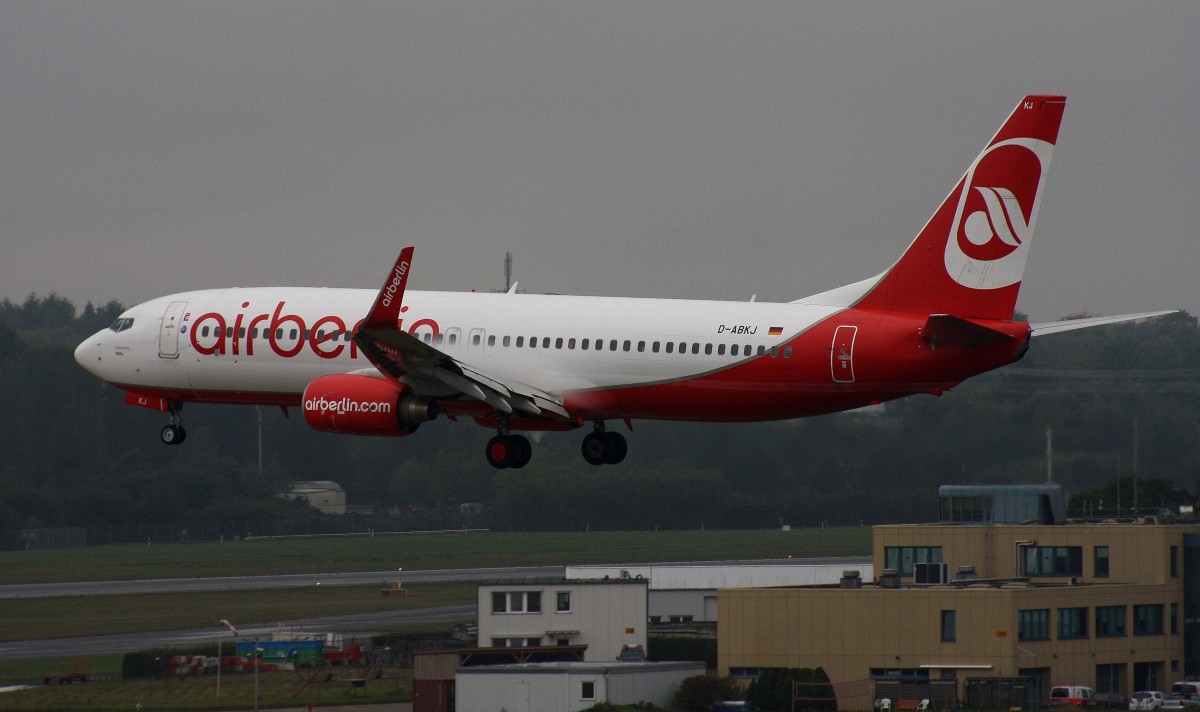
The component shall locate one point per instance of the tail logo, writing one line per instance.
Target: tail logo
(990, 234)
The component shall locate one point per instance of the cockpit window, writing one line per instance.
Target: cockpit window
(122, 324)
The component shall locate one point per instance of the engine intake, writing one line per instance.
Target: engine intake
(364, 405)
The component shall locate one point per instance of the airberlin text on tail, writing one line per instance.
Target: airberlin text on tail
(969, 258)
(386, 310)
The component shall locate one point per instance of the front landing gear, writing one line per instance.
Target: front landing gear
(601, 447)
(508, 451)
(173, 434)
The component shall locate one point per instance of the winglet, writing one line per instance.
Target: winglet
(385, 312)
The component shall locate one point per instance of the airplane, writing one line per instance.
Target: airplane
(382, 363)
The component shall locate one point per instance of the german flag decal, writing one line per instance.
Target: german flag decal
(775, 331)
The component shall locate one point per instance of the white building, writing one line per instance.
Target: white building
(603, 614)
(567, 687)
(686, 593)
(324, 495)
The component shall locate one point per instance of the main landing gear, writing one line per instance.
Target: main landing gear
(173, 434)
(601, 447)
(506, 450)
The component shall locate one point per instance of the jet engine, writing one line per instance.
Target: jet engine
(364, 405)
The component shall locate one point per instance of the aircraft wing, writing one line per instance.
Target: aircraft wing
(1053, 327)
(398, 354)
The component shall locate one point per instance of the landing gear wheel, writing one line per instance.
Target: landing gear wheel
(509, 451)
(172, 434)
(498, 451)
(617, 448)
(596, 448)
(521, 451)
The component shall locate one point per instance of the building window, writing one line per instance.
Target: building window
(587, 690)
(516, 602)
(1174, 619)
(1072, 623)
(902, 558)
(966, 509)
(1110, 621)
(1148, 619)
(949, 623)
(562, 602)
(1100, 562)
(1174, 561)
(1054, 561)
(1033, 624)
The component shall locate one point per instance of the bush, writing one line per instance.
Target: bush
(699, 693)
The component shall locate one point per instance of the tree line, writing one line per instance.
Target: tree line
(72, 454)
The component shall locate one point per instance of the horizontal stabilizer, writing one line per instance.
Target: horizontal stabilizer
(946, 330)
(1053, 327)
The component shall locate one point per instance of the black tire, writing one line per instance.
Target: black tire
(182, 435)
(169, 435)
(521, 453)
(596, 448)
(618, 448)
(498, 452)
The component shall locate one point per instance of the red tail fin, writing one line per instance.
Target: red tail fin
(969, 258)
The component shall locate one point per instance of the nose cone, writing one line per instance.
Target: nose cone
(87, 354)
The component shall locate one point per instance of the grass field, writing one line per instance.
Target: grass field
(35, 618)
(422, 551)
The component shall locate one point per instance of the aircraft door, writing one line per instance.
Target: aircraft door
(841, 361)
(168, 333)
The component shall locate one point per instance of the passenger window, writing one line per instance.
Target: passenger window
(254, 333)
(453, 339)
(720, 349)
(229, 332)
(558, 343)
(428, 338)
(507, 340)
(670, 347)
(584, 344)
(774, 352)
(707, 349)
(293, 334)
(696, 348)
(733, 350)
(612, 345)
(570, 343)
(475, 339)
(627, 344)
(641, 346)
(320, 335)
(546, 342)
(242, 332)
(654, 347)
(762, 350)
(520, 341)
(278, 334)
(787, 352)
(440, 338)
(203, 332)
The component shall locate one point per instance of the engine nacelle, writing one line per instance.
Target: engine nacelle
(364, 405)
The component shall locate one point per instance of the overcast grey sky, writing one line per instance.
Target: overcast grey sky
(668, 149)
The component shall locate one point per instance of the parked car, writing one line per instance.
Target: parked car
(1109, 700)
(1071, 696)
(1186, 686)
(1146, 700)
(1180, 700)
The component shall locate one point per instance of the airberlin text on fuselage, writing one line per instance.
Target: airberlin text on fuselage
(240, 336)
